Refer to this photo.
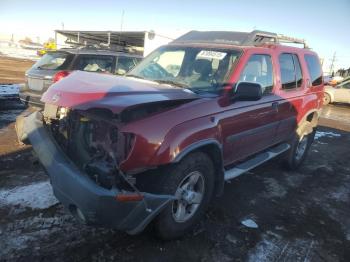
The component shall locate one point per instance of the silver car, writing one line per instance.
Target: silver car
(339, 93)
(55, 65)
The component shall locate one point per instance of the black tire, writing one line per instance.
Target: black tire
(165, 225)
(295, 158)
(326, 99)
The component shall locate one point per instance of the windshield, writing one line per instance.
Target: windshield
(51, 61)
(198, 69)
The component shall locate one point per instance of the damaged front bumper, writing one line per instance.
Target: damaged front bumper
(86, 200)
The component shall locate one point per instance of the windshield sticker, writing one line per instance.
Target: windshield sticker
(211, 54)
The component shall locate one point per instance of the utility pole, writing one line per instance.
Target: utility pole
(331, 68)
(121, 25)
(122, 21)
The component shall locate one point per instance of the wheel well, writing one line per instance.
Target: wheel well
(308, 123)
(215, 154)
(312, 118)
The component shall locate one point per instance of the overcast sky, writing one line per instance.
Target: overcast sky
(324, 24)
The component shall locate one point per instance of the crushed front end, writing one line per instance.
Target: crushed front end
(81, 152)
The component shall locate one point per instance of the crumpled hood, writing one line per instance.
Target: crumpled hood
(83, 90)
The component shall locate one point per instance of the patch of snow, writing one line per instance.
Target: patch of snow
(231, 239)
(294, 179)
(341, 194)
(320, 134)
(274, 188)
(9, 90)
(278, 249)
(18, 52)
(34, 196)
(15, 236)
(249, 223)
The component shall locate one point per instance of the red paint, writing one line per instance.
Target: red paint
(162, 136)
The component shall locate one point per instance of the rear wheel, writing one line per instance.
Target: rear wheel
(326, 99)
(192, 183)
(299, 147)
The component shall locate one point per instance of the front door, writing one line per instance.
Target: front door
(250, 126)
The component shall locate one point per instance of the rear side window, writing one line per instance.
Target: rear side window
(124, 65)
(259, 70)
(291, 74)
(314, 67)
(53, 61)
(95, 63)
(298, 73)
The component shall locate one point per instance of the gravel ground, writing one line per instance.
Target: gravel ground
(301, 216)
(12, 69)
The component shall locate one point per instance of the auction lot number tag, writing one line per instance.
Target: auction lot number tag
(211, 54)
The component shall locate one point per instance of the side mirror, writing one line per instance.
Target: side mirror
(248, 91)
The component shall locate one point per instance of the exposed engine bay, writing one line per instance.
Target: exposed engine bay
(93, 142)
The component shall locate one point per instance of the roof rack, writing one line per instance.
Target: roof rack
(254, 38)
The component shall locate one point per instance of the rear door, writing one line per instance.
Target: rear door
(250, 126)
(291, 90)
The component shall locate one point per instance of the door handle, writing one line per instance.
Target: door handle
(275, 106)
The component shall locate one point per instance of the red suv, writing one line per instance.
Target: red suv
(159, 143)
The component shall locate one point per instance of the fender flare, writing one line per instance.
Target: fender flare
(196, 145)
(217, 161)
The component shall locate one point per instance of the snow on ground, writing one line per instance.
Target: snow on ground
(274, 248)
(18, 52)
(34, 196)
(320, 134)
(274, 188)
(14, 239)
(9, 90)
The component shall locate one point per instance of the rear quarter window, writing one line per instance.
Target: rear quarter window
(314, 68)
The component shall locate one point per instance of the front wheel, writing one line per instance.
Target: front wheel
(192, 183)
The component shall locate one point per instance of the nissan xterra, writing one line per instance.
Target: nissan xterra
(158, 144)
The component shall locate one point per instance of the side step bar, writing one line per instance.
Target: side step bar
(255, 161)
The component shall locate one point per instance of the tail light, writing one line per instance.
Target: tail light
(59, 75)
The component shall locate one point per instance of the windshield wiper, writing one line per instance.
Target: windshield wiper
(135, 76)
(170, 82)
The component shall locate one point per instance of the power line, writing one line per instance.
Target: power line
(331, 68)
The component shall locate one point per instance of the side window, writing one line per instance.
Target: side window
(346, 86)
(124, 65)
(314, 68)
(259, 70)
(95, 63)
(291, 74)
(298, 73)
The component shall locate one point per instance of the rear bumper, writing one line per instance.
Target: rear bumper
(31, 99)
(80, 195)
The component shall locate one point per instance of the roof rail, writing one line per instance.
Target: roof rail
(288, 39)
(254, 38)
(257, 36)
